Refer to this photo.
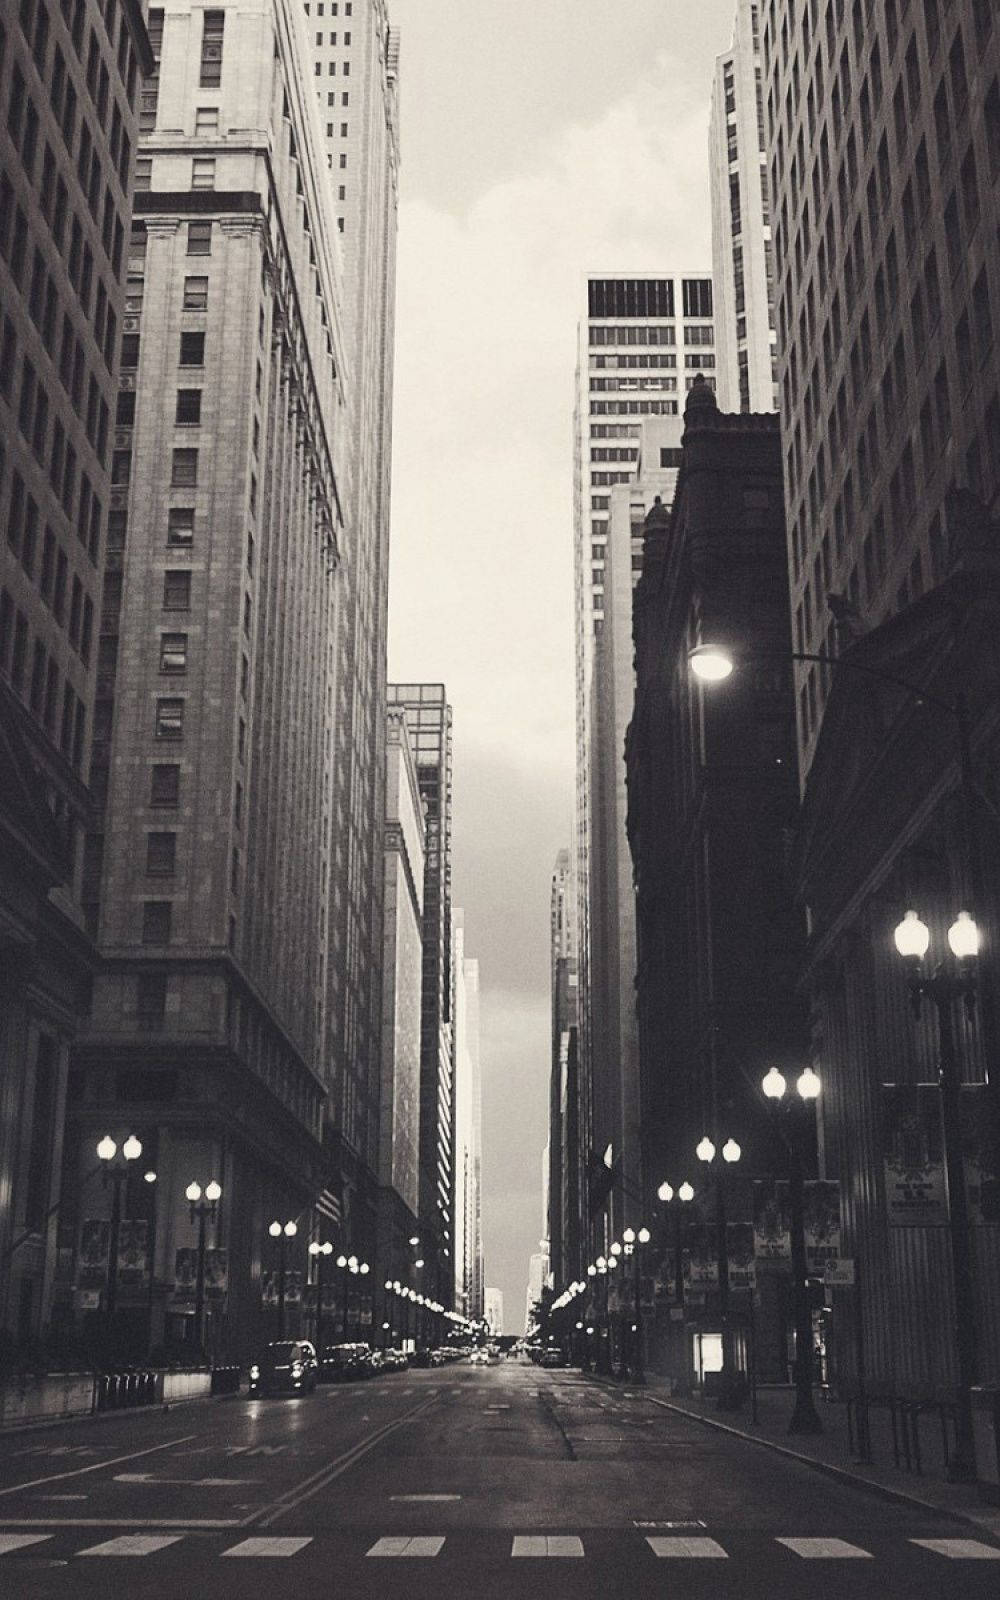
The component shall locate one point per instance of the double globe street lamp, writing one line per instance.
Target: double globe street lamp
(320, 1253)
(202, 1211)
(729, 1395)
(282, 1231)
(633, 1242)
(805, 1418)
(116, 1172)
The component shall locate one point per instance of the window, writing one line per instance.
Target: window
(151, 999)
(192, 349)
(206, 121)
(697, 297)
(188, 405)
(161, 854)
(199, 239)
(180, 525)
(177, 589)
(156, 921)
(165, 785)
(211, 49)
(203, 172)
(195, 294)
(173, 652)
(185, 468)
(143, 172)
(169, 719)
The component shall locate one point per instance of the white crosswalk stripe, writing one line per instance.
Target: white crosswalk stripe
(825, 1549)
(19, 1541)
(267, 1547)
(960, 1549)
(678, 1545)
(546, 1544)
(133, 1544)
(406, 1546)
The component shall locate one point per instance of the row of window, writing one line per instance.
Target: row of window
(37, 680)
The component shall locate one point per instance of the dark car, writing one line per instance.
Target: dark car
(287, 1366)
(552, 1357)
(344, 1362)
(394, 1360)
(421, 1358)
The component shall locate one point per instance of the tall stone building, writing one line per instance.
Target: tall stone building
(641, 343)
(468, 1130)
(70, 78)
(742, 252)
(428, 721)
(563, 1221)
(883, 129)
(209, 875)
(355, 63)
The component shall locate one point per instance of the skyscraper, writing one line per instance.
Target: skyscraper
(468, 1251)
(561, 1224)
(742, 265)
(428, 720)
(355, 62)
(209, 869)
(639, 338)
(69, 81)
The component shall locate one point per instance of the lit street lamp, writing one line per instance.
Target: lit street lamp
(201, 1211)
(319, 1253)
(683, 1196)
(282, 1232)
(728, 1391)
(951, 981)
(115, 1172)
(805, 1418)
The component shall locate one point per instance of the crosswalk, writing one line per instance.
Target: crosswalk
(533, 1546)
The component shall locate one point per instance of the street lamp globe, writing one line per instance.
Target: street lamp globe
(685, 1192)
(395, 1284)
(591, 1271)
(963, 936)
(291, 1229)
(616, 1249)
(150, 1176)
(706, 1150)
(364, 1267)
(731, 1151)
(132, 1148)
(314, 1247)
(710, 663)
(808, 1084)
(342, 1261)
(193, 1193)
(629, 1236)
(107, 1149)
(644, 1235)
(774, 1085)
(414, 1238)
(326, 1248)
(665, 1192)
(274, 1229)
(912, 937)
(420, 1261)
(213, 1192)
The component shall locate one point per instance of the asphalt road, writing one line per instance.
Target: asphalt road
(504, 1482)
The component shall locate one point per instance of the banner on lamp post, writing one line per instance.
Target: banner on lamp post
(913, 1160)
(702, 1267)
(772, 1221)
(740, 1254)
(132, 1254)
(821, 1223)
(95, 1244)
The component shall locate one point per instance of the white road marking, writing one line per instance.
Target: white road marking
(132, 1544)
(545, 1544)
(97, 1466)
(268, 1547)
(18, 1541)
(403, 1546)
(184, 1483)
(62, 1497)
(676, 1545)
(825, 1549)
(960, 1549)
(417, 1498)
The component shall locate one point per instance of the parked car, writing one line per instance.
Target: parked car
(479, 1358)
(552, 1357)
(344, 1362)
(421, 1358)
(394, 1360)
(287, 1365)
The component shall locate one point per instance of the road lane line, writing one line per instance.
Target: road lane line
(960, 1549)
(403, 1546)
(132, 1544)
(421, 1498)
(546, 1544)
(326, 1475)
(268, 1547)
(825, 1549)
(97, 1466)
(677, 1545)
(19, 1541)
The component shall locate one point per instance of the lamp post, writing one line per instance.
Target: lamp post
(319, 1253)
(282, 1231)
(603, 1332)
(805, 1418)
(633, 1243)
(731, 1152)
(948, 983)
(201, 1211)
(676, 1200)
(115, 1172)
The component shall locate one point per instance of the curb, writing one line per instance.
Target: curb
(114, 1414)
(840, 1474)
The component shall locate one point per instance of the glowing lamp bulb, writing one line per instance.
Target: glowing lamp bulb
(107, 1149)
(731, 1151)
(710, 663)
(963, 937)
(808, 1084)
(706, 1150)
(912, 937)
(774, 1084)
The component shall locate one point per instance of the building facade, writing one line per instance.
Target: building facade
(564, 1220)
(883, 146)
(355, 66)
(742, 263)
(70, 79)
(468, 1130)
(208, 870)
(493, 1312)
(641, 344)
(428, 720)
(712, 799)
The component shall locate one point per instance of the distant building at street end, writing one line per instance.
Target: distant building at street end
(468, 1251)
(563, 1221)
(742, 252)
(712, 800)
(538, 1279)
(493, 1312)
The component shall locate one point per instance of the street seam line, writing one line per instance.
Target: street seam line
(97, 1466)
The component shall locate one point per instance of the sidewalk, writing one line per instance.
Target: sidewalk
(830, 1452)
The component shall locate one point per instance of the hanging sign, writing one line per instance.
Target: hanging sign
(740, 1251)
(912, 1155)
(839, 1272)
(772, 1223)
(821, 1223)
(95, 1243)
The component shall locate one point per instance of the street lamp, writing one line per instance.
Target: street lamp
(731, 1152)
(319, 1253)
(115, 1172)
(282, 1231)
(951, 981)
(201, 1211)
(805, 1418)
(683, 1195)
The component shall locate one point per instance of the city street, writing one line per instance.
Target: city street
(454, 1480)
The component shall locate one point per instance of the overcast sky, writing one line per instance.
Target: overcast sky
(541, 139)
